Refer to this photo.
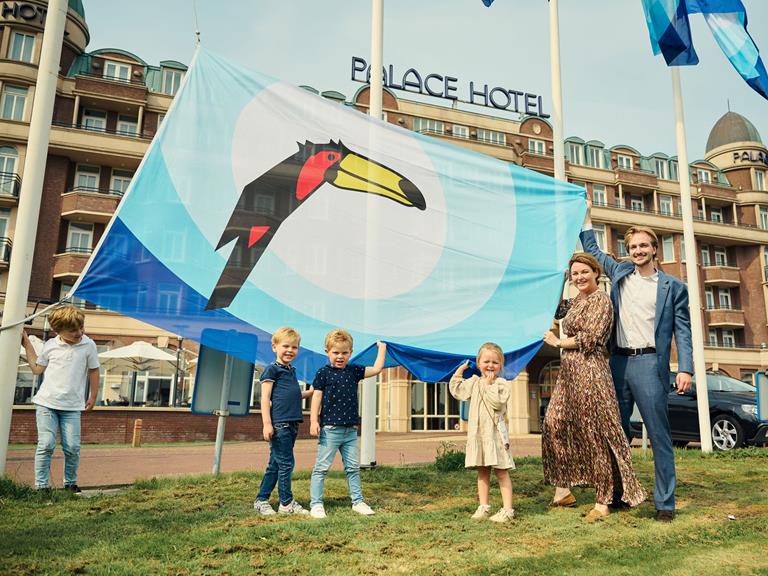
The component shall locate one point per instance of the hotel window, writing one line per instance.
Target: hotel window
(709, 297)
(599, 230)
(121, 179)
(573, 152)
(127, 125)
(491, 137)
(432, 407)
(22, 47)
(668, 248)
(168, 297)
(79, 238)
(76, 302)
(595, 156)
(87, 178)
(712, 337)
(760, 180)
(598, 195)
(621, 248)
(428, 126)
(172, 81)
(716, 214)
(460, 131)
(94, 120)
(665, 204)
(5, 217)
(8, 158)
(624, 162)
(725, 298)
(764, 217)
(729, 341)
(13, 100)
(660, 167)
(705, 255)
(721, 256)
(636, 203)
(117, 71)
(673, 170)
(537, 146)
(703, 175)
(682, 248)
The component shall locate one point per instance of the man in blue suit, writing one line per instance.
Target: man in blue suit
(649, 306)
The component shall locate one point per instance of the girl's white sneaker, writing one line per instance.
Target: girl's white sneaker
(483, 511)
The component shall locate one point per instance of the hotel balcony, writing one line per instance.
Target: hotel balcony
(724, 193)
(110, 88)
(636, 180)
(70, 262)
(10, 186)
(5, 252)
(725, 318)
(89, 204)
(721, 276)
(538, 162)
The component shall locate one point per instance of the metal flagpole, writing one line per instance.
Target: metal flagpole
(694, 294)
(222, 413)
(30, 196)
(368, 409)
(557, 91)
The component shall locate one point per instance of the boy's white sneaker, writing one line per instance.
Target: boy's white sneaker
(317, 511)
(483, 511)
(263, 507)
(292, 508)
(503, 515)
(363, 508)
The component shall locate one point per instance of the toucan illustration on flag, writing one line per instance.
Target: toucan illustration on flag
(268, 200)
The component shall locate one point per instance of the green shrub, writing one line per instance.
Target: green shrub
(449, 458)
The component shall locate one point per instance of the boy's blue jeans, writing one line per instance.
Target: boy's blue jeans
(48, 422)
(281, 462)
(343, 439)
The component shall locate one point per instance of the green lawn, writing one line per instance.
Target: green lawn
(204, 525)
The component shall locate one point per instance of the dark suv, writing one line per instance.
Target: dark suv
(732, 412)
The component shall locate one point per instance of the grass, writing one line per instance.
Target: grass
(205, 525)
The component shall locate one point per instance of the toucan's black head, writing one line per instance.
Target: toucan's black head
(339, 166)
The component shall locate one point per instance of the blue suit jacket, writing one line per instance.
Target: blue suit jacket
(672, 314)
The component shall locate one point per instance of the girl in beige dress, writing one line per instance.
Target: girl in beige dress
(487, 438)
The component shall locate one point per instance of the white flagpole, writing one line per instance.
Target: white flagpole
(557, 91)
(694, 294)
(30, 198)
(368, 408)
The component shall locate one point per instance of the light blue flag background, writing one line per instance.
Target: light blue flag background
(484, 260)
(670, 34)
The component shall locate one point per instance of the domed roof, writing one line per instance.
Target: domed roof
(77, 7)
(730, 128)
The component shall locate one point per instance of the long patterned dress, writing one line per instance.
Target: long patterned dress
(583, 442)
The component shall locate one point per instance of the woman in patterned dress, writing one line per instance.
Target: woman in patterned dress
(583, 443)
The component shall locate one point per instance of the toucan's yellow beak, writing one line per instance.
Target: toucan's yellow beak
(364, 175)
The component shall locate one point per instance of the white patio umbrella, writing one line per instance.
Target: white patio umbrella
(139, 357)
(37, 344)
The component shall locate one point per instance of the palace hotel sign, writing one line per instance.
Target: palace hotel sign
(444, 86)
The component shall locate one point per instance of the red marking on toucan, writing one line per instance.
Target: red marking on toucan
(256, 233)
(313, 173)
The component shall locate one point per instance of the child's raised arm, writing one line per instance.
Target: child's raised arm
(460, 388)
(378, 365)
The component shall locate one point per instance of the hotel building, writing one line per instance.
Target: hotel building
(109, 104)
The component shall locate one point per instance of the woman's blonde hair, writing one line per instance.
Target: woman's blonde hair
(492, 347)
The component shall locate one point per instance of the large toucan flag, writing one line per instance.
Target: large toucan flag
(261, 205)
(671, 35)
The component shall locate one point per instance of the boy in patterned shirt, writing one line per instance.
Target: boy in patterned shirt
(334, 418)
(281, 413)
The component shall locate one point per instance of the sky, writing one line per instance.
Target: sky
(614, 89)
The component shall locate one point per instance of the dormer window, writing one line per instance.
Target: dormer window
(624, 161)
(171, 81)
(117, 71)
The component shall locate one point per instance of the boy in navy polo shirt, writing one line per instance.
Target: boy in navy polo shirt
(281, 413)
(334, 418)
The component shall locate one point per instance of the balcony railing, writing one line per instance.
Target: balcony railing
(137, 82)
(126, 133)
(671, 214)
(10, 184)
(96, 190)
(77, 250)
(5, 250)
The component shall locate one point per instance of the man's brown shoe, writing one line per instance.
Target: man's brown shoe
(565, 502)
(664, 515)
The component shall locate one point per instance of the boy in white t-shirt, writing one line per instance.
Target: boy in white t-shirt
(69, 360)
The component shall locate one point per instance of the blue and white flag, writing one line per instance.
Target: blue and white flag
(261, 205)
(671, 35)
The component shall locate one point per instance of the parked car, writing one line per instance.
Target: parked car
(732, 413)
